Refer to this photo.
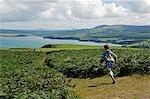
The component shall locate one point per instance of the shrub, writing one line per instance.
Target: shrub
(22, 77)
(85, 63)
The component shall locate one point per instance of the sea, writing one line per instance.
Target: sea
(37, 42)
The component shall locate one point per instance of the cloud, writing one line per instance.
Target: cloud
(73, 13)
(82, 9)
(141, 6)
(60, 9)
(136, 6)
(21, 10)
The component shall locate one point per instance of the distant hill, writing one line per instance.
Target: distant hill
(110, 31)
(143, 44)
(120, 34)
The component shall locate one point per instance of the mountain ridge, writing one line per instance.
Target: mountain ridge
(118, 34)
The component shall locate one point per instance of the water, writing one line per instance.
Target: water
(37, 42)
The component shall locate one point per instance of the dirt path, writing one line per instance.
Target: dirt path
(135, 87)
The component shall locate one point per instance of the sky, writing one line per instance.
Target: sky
(72, 14)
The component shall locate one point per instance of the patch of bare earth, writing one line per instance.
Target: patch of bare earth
(134, 87)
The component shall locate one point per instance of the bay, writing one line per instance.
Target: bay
(37, 42)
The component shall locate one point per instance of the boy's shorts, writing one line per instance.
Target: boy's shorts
(109, 65)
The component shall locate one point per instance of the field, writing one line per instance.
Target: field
(144, 44)
(71, 72)
(8, 35)
(135, 87)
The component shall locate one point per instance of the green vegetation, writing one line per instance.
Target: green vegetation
(135, 87)
(69, 46)
(23, 75)
(85, 63)
(41, 72)
(57, 47)
(11, 35)
(107, 31)
(73, 46)
(118, 34)
(144, 44)
(106, 39)
(8, 35)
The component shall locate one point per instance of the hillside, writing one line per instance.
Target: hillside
(143, 44)
(112, 31)
(135, 87)
(119, 34)
(72, 71)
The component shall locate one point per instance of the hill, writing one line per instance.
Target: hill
(135, 87)
(112, 31)
(143, 44)
(119, 34)
(68, 72)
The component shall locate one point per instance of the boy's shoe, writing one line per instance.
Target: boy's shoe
(113, 82)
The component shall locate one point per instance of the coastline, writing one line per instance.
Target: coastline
(115, 42)
(12, 35)
(119, 42)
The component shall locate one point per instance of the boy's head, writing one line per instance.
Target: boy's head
(106, 46)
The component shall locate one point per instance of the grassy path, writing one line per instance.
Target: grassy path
(135, 87)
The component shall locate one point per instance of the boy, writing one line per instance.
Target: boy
(109, 58)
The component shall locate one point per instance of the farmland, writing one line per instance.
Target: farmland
(44, 72)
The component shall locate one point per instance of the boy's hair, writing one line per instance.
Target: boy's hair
(106, 46)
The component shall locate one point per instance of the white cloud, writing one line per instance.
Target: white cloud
(73, 13)
(82, 9)
(21, 10)
(113, 10)
(137, 6)
(4, 8)
(22, 6)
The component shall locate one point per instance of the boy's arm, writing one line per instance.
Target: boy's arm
(102, 59)
(115, 56)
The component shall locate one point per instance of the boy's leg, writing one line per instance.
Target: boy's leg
(109, 66)
(112, 75)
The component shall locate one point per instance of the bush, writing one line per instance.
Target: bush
(35, 83)
(85, 63)
(22, 77)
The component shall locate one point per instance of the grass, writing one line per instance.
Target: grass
(58, 47)
(143, 43)
(8, 35)
(105, 39)
(135, 87)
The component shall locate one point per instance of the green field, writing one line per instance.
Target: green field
(144, 44)
(127, 87)
(8, 35)
(72, 71)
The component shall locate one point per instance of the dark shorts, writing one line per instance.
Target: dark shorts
(109, 64)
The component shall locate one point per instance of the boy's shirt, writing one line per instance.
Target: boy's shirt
(108, 56)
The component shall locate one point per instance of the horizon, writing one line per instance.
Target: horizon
(72, 14)
(42, 29)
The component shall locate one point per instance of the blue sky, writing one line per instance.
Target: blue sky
(68, 14)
